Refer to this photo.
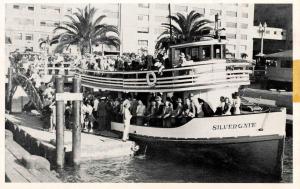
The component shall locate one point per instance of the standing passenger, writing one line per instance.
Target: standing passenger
(126, 116)
(102, 114)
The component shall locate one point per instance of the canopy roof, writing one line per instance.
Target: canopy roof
(283, 54)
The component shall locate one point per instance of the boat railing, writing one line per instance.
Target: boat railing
(198, 76)
(65, 68)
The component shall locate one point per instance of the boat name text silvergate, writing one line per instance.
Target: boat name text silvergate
(233, 126)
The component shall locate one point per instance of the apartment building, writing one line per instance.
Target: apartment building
(140, 24)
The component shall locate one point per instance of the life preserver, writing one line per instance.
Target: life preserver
(151, 83)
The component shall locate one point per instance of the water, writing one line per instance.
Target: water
(142, 169)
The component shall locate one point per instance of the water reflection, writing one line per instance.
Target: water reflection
(165, 169)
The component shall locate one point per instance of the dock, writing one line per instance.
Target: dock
(20, 170)
(93, 147)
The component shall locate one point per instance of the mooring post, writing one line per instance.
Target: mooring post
(76, 131)
(9, 89)
(59, 85)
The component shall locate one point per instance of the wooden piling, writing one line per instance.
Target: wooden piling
(76, 131)
(9, 89)
(59, 85)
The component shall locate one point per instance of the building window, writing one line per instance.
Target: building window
(57, 10)
(162, 6)
(31, 8)
(286, 64)
(243, 48)
(243, 36)
(244, 15)
(199, 10)
(282, 33)
(18, 36)
(231, 36)
(143, 30)
(29, 37)
(142, 17)
(143, 5)
(231, 24)
(181, 8)
(143, 43)
(214, 12)
(69, 10)
(231, 13)
(161, 19)
(42, 23)
(244, 26)
(24, 22)
(231, 47)
(275, 32)
(16, 6)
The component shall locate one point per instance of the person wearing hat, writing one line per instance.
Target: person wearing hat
(102, 114)
(167, 112)
(177, 112)
(126, 118)
(159, 111)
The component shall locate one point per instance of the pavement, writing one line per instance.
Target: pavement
(93, 147)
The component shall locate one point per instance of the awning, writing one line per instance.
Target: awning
(284, 54)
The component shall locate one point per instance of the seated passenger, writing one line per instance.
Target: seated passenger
(236, 103)
(188, 61)
(187, 115)
(178, 111)
(207, 110)
(159, 65)
(227, 107)
(220, 108)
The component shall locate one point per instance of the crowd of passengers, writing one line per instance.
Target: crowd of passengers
(98, 112)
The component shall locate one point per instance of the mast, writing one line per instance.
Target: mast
(170, 22)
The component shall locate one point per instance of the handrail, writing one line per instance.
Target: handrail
(193, 77)
(165, 70)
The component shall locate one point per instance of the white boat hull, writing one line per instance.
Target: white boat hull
(252, 141)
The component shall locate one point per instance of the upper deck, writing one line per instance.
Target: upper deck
(201, 75)
(205, 68)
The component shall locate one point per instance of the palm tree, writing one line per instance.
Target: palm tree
(44, 44)
(84, 31)
(184, 29)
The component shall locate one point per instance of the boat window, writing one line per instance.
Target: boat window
(195, 54)
(176, 55)
(206, 52)
(286, 64)
(272, 63)
(217, 51)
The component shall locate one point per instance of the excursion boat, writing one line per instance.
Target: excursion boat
(254, 138)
